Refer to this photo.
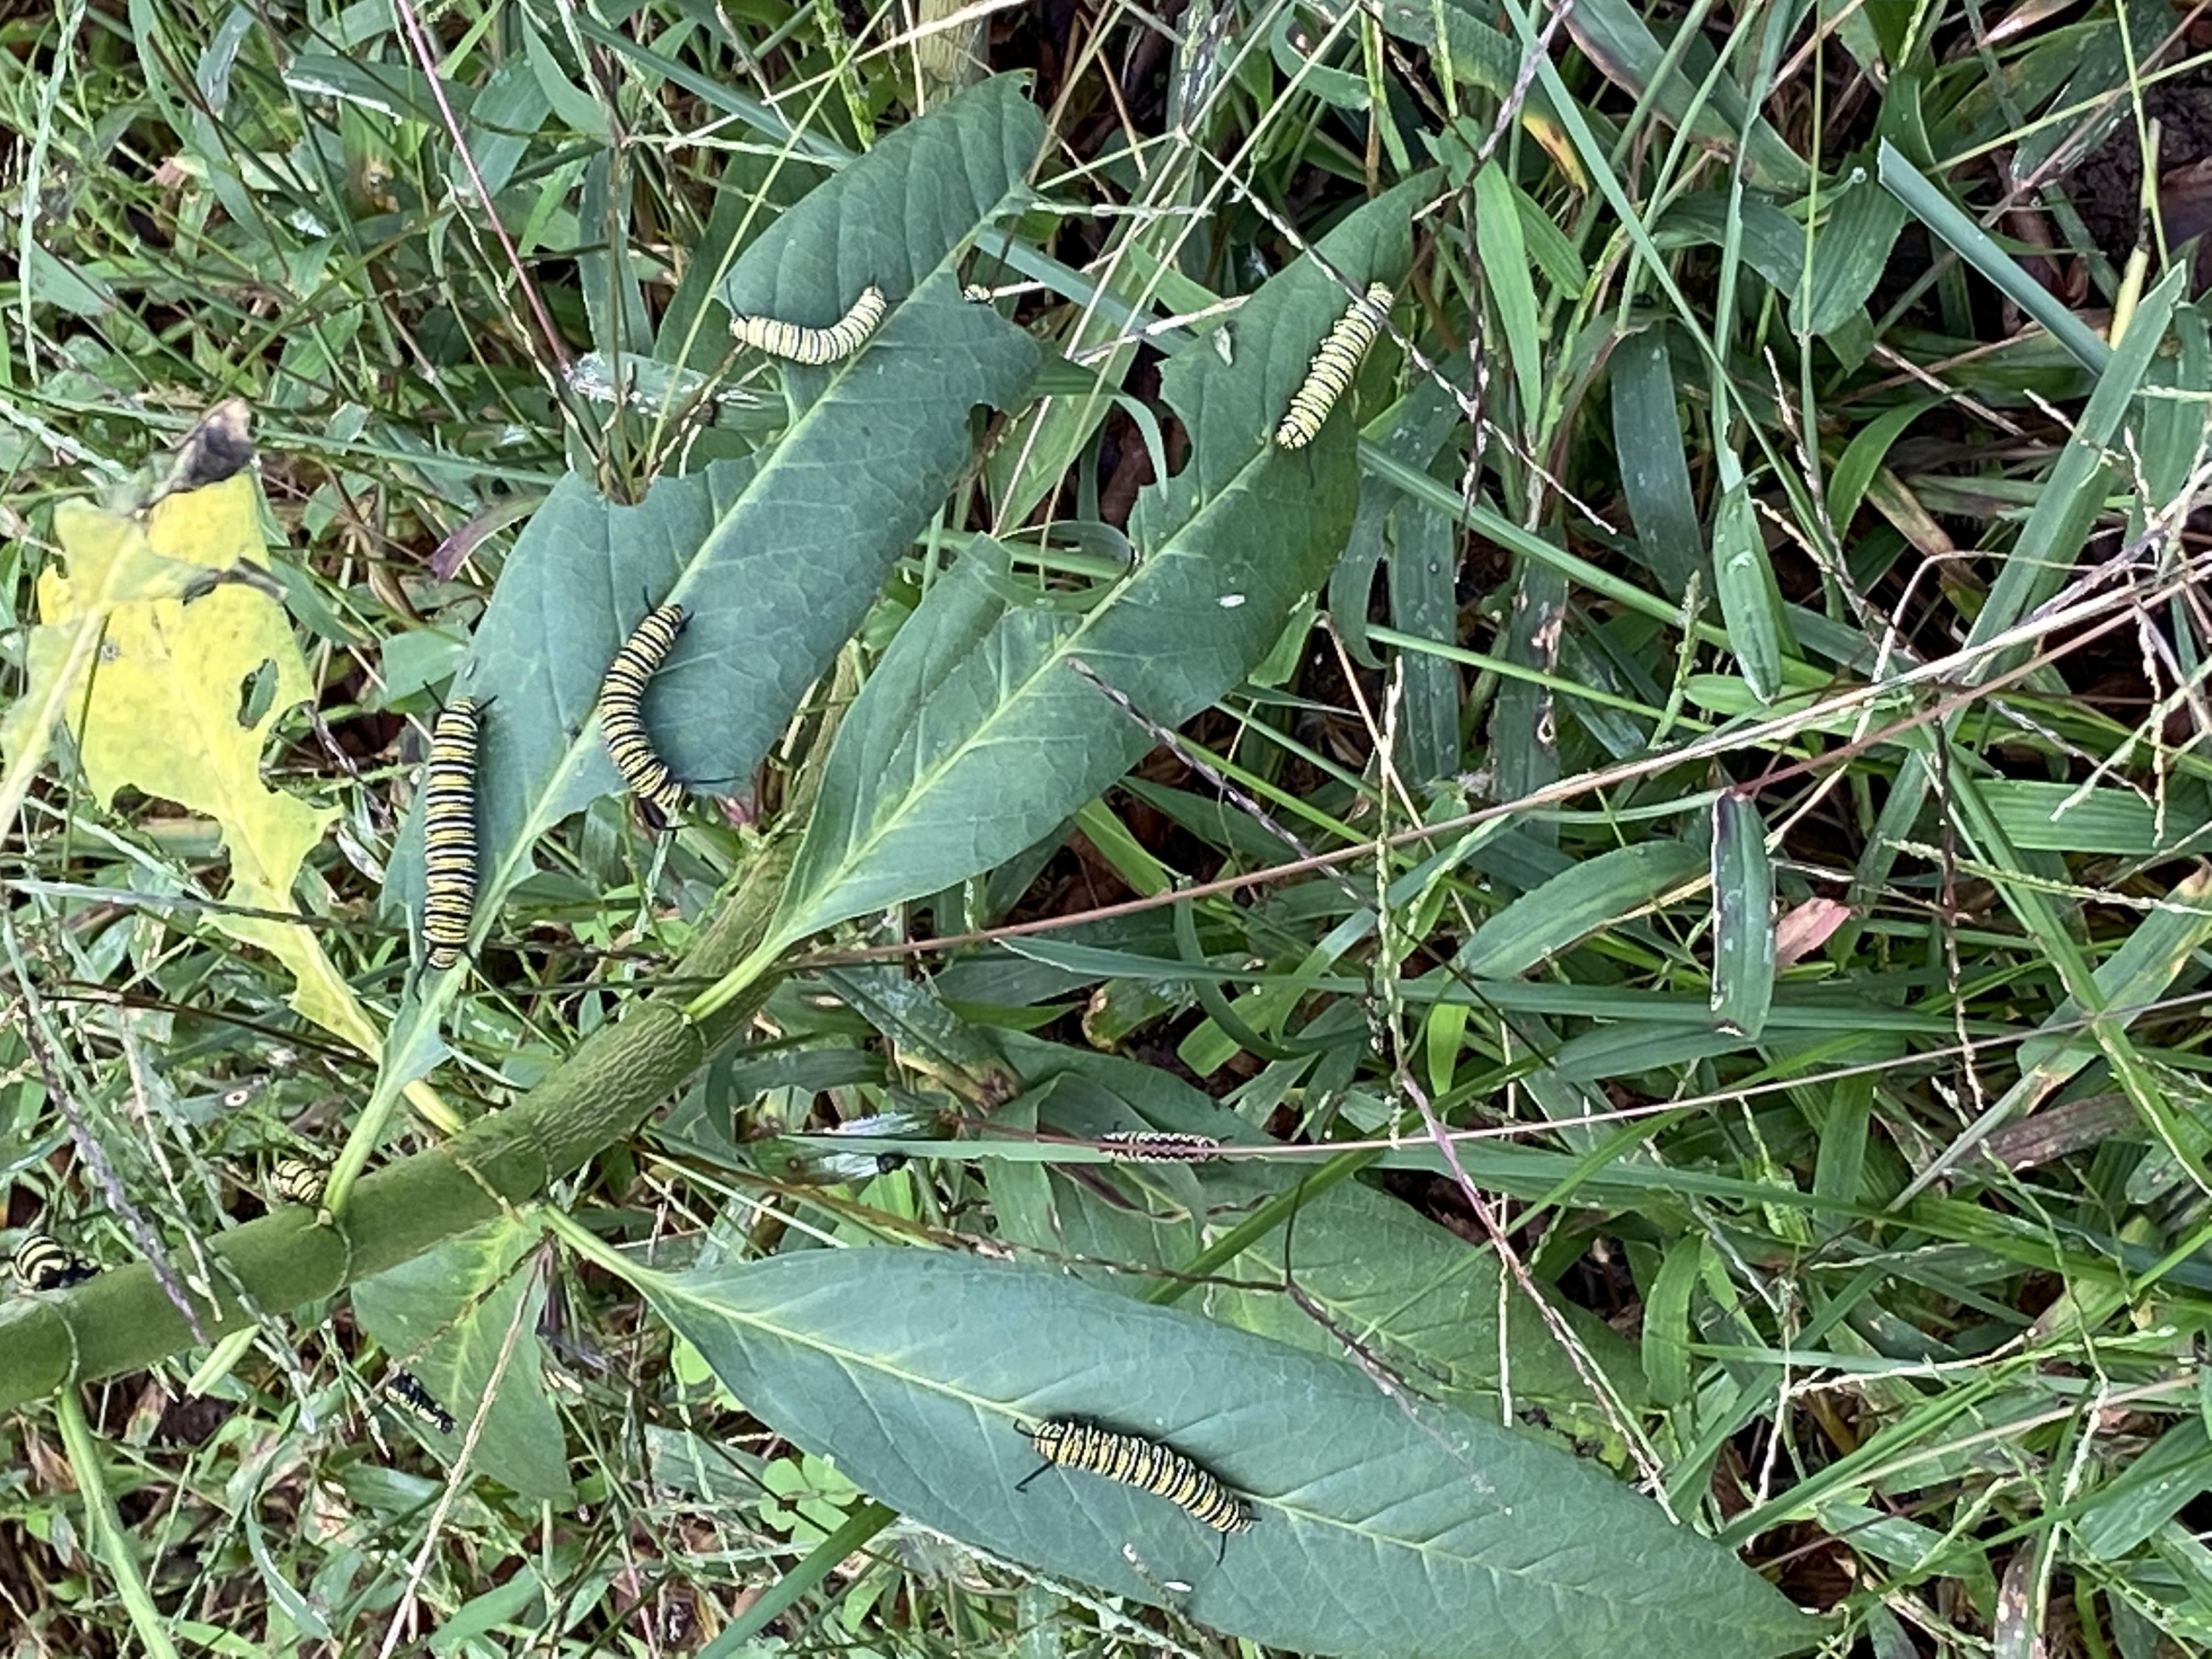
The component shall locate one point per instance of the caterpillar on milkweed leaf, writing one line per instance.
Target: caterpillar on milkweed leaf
(449, 834)
(660, 792)
(1334, 367)
(800, 344)
(1145, 1464)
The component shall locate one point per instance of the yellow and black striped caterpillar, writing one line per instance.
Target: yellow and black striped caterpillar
(41, 1264)
(660, 792)
(1145, 1464)
(814, 345)
(1342, 350)
(403, 1394)
(296, 1180)
(1158, 1146)
(449, 835)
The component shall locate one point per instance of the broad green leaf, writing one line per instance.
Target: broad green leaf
(1432, 1533)
(1578, 902)
(924, 791)
(1655, 474)
(464, 1318)
(778, 555)
(1743, 916)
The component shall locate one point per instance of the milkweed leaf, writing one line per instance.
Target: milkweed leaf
(1011, 740)
(1434, 1533)
(776, 556)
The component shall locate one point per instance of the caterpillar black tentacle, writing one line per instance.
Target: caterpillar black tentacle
(800, 344)
(1148, 1465)
(449, 834)
(660, 792)
(1334, 367)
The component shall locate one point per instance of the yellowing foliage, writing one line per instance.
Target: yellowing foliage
(159, 709)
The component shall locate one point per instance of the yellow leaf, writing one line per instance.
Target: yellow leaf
(160, 709)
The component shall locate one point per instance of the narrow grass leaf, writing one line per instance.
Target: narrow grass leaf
(1972, 243)
(1505, 280)
(1863, 456)
(1604, 890)
(1743, 581)
(1743, 916)
(1655, 472)
(1850, 253)
(1693, 91)
(1438, 1534)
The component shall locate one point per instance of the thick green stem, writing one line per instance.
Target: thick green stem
(122, 1321)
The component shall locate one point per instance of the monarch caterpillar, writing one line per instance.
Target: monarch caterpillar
(1158, 1146)
(978, 293)
(1341, 351)
(814, 345)
(403, 1394)
(1145, 1464)
(449, 835)
(622, 716)
(40, 1264)
(296, 1181)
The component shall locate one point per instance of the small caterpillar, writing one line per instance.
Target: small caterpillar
(449, 835)
(296, 1181)
(1134, 1461)
(403, 1394)
(41, 1264)
(1158, 1146)
(814, 345)
(621, 713)
(1334, 366)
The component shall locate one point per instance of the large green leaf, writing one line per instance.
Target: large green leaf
(464, 1319)
(1386, 1526)
(777, 555)
(979, 736)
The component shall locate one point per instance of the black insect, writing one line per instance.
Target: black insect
(41, 1264)
(403, 1393)
(1148, 1465)
(449, 835)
